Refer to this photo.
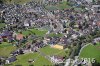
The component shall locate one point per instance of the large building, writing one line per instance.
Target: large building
(96, 8)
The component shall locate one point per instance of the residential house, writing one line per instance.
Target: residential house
(96, 40)
(19, 36)
(11, 59)
(96, 8)
(57, 59)
(98, 24)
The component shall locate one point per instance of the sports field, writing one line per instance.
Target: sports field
(91, 51)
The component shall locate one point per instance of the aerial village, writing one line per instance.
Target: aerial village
(50, 33)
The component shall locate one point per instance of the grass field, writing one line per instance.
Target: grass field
(16, 1)
(52, 51)
(38, 60)
(91, 51)
(63, 5)
(39, 32)
(2, 25)
(34, 31)
(19, 1)
(55, 35)
(6, 49)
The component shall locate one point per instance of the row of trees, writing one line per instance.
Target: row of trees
(3, 1)
(80, 41)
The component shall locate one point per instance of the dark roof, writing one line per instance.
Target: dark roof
(12, 59)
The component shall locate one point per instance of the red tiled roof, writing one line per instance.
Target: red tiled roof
(19, 36)
(98, 23)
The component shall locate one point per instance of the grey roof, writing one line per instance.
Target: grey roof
(12, 59)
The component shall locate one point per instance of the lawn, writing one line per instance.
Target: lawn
(55, 35)
(63, 5)
(16, 1)
(38, 60)
(52, 51)
(2, 25)
(91, 51)
(20, 1)
(6, 49)
(34, 31)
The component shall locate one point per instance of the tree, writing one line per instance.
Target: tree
(77, 50)
(72, 24)
(93, 1)
(1, 1)
(96, 63)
